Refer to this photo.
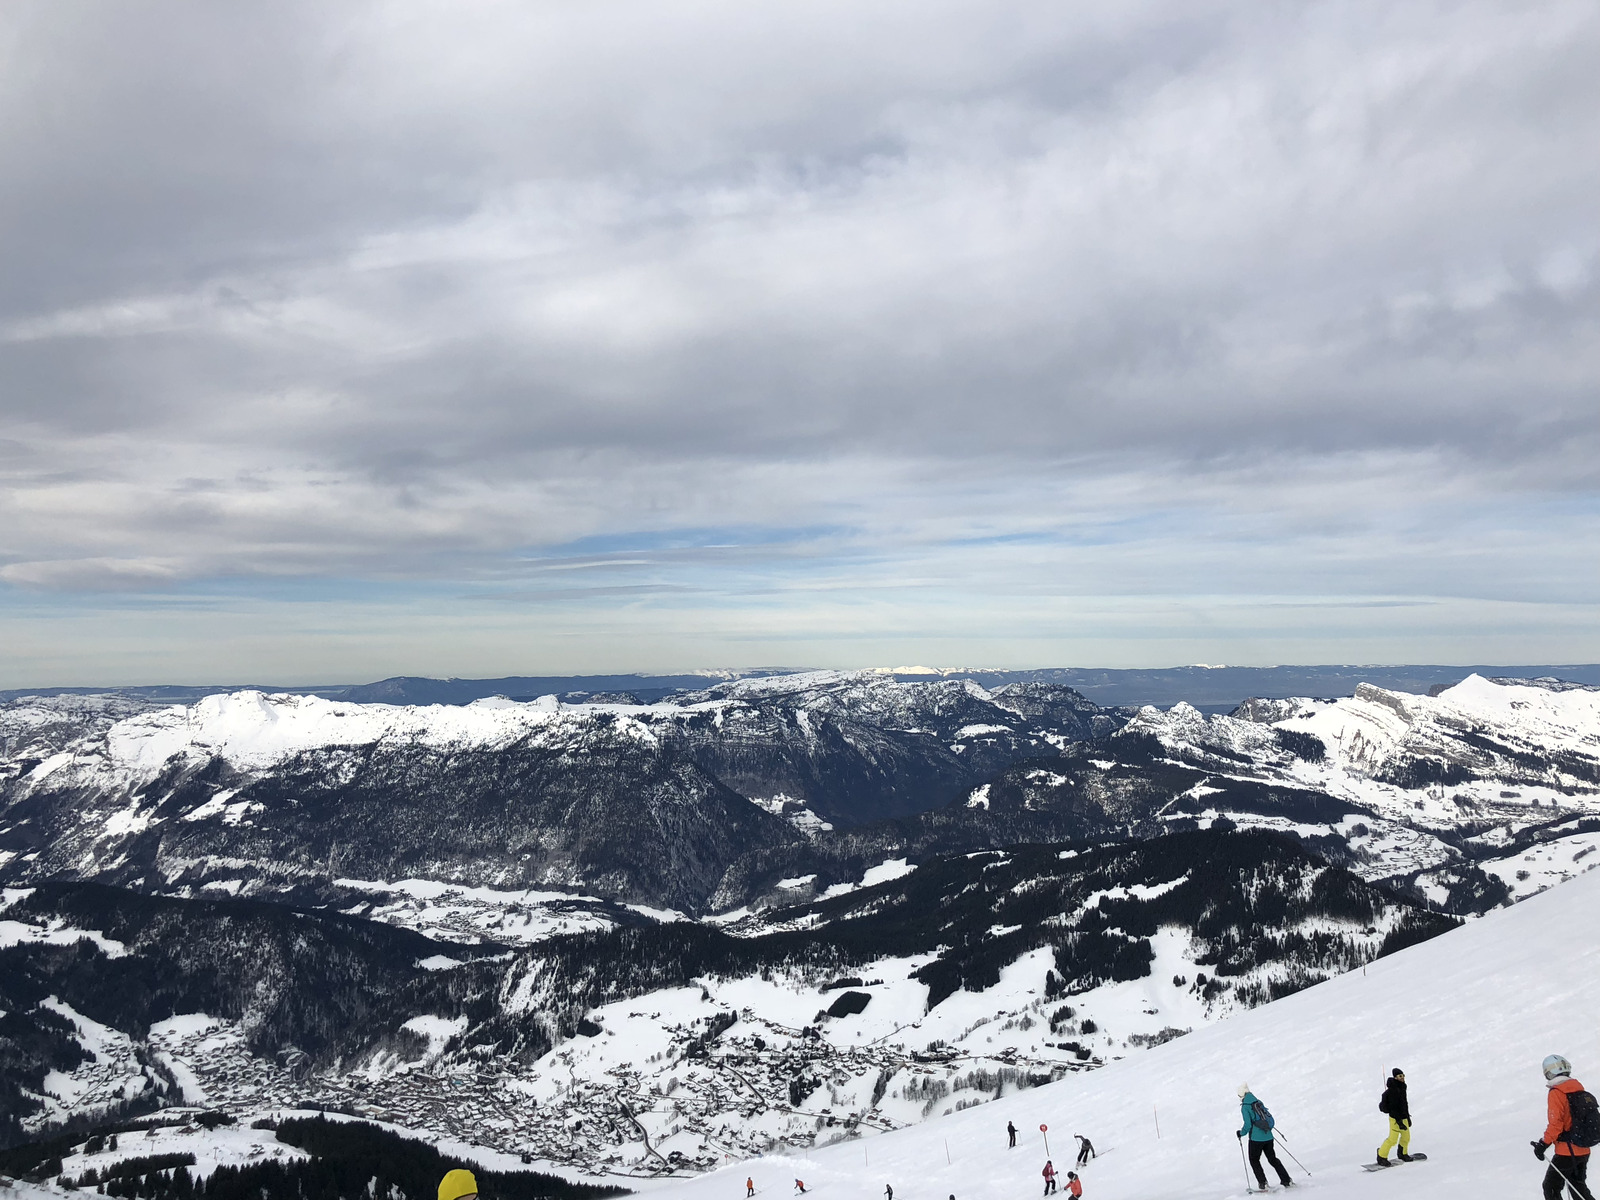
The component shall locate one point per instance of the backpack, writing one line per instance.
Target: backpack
(1585, 1127)
(1260, 1118)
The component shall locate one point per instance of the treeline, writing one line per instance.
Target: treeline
(349, 1160)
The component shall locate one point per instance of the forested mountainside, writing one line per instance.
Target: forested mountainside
(650, 804)
(710, 803)
(115, 999)
(86, 969)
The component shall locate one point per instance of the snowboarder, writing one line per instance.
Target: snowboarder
(749, 1186)
(1085, 1149)
(458, 1185)
(1258, 1124)
(1012, 1130)
(1394, 1103)
(1049, 1174)
(1570, 1165)
(1074, 1185)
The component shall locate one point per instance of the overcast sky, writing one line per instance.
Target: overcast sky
(340, 341)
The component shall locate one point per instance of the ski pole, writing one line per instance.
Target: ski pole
(1296, 1161)
(1572, 1186)
(1245, 1165)
(1290, 1153)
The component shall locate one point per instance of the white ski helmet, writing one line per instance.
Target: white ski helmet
(1556, 1066)
(1244, 1090)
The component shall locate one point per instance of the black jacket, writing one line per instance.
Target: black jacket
(1394, 1100)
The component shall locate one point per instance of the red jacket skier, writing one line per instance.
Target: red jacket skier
(1571, 1163)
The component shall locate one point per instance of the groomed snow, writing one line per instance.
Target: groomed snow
(1468, 1016)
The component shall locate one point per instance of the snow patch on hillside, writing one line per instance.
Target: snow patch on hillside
(460, 913)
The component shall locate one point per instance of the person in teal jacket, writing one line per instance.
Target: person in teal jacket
(1260, 1140)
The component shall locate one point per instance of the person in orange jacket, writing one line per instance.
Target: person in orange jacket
(1074, 1185)
(1570, 1164)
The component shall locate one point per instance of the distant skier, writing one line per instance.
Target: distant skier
(888, 1191)
(1085, 1149)
(799, 1186)
(1012, 1130)
(1394, 1103)
(1049, 1174)
(749, 1187)
(1258, 1124)
(1573, 1126)
(1074, 1185)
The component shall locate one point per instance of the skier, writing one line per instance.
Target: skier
(888, 1191)
(1049, 1174)
(1085, 1149)
(749, 1186)
(1012, 1130)
(799, 1186)
(1258, 1124)
(1570, 1166)
(1394, 1103)
(458, 1185)
(1074, 1185)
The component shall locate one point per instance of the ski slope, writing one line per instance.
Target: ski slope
(1468, 1016)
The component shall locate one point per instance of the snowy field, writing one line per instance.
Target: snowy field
(1468, 1016)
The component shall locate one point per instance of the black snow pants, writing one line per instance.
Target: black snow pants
(1257, 1150)
(1565, 1169)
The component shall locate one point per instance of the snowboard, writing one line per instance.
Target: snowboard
(1393, 1162)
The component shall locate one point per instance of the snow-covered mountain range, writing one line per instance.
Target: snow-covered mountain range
(634, 938)
(659, 804)
(711, 801)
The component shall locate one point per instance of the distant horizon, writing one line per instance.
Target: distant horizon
(710, 675)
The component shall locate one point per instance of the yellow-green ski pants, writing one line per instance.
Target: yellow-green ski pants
(1397, 1133)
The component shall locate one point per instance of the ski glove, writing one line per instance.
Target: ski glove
(1539, 1148)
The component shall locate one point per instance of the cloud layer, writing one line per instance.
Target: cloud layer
(379, 338)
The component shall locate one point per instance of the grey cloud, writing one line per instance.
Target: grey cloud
(419, 291)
